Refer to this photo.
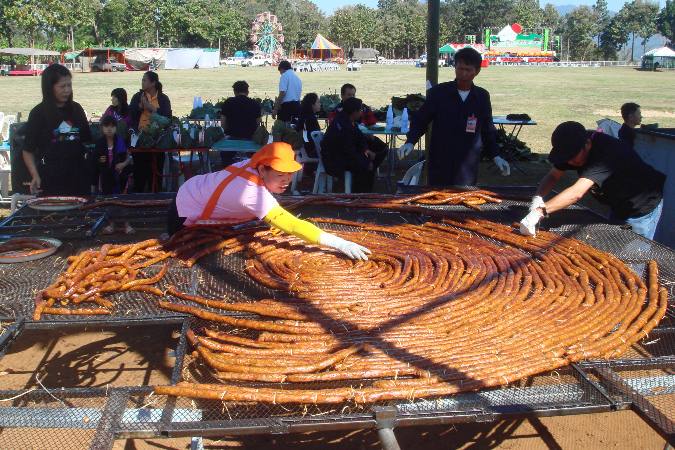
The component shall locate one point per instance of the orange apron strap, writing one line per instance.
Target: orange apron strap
(234, 173)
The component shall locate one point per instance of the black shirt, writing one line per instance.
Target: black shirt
(631, 187)
(627, 135)
(241, 116)
(343, 147)
(42, 127)
(308, 122)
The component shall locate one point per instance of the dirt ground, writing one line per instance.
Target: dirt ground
(132, 356)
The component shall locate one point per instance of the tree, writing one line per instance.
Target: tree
(613, 37)
(550, 17)
(527, 13)
(639, 19)
(480, 14)
(578, 33)
(29, 17)
(602, 17)
(68, 15)
(452, 20)
(125, 22)
(665, 22)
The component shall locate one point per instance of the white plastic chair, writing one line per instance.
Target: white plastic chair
(609, 127)
(413, 175)
(6, 121)
(302, 157)
(323, 182)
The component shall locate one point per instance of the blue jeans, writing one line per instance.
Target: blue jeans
(646, 225)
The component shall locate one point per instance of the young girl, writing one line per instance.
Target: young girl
(119, 108)
(308, 122)
(110, 162)
(243, 191)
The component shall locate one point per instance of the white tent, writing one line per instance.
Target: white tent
(182, 58)
(28, 52)
(662, 51)
(209, 59)
(190, 58)
(139, 58)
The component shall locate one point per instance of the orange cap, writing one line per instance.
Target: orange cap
(278, 155)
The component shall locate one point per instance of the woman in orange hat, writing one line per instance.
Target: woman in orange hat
(243, 191)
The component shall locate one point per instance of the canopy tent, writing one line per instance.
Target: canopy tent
(28, 52)
(659, 58)
(456, 46)
(72, 56)
(662, 51)
(322, 48)
(243, 54)
(191, 58)
(447, 49)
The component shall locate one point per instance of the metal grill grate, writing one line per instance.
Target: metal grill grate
(136, 413)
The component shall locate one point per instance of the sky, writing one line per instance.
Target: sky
(328, 6)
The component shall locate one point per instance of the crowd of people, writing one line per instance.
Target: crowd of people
(459, 111)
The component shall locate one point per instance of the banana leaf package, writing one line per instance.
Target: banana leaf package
(208, 108)
(189, 135)
(152, 134)
(212, 135)
(282, 132)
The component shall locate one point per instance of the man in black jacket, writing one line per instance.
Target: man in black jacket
(461, 114)
(345, 148)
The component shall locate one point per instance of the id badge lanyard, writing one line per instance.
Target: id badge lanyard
(471, 123)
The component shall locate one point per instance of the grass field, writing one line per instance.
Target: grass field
(549, 95)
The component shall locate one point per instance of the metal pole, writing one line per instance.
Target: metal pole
(388, 439)
(433, 31)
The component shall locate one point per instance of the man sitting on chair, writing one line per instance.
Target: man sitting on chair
(345, 148)
(240, 117)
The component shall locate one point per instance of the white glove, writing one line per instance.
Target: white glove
(354, 251)
(528, 226)
(405, 150)
(537, 202)
(502, 165)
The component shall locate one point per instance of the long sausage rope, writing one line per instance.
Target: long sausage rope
(438, 309)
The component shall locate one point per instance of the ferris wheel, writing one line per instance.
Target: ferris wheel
(267, 35)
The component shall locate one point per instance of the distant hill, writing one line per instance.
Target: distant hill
(654, 42)
(565, 9)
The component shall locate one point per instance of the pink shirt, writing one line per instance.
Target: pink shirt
(240, 201)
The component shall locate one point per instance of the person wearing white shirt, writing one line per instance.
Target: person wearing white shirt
(287, 104)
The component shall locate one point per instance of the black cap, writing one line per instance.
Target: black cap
(568, 139)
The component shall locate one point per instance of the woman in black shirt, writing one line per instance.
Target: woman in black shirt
(308, 122)
(56, 132)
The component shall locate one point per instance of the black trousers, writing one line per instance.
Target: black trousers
(143, 170)
(173, 223)
(363, 181)
(288, 110)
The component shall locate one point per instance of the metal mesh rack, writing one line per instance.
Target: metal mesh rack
(74, 224)
(133, 412)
